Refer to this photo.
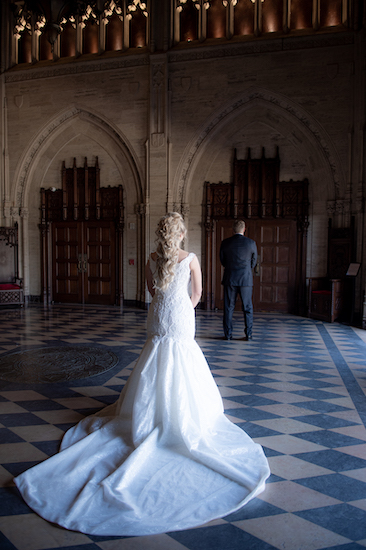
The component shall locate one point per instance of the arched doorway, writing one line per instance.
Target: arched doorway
(81, 228)
(276, 213)
(72, 134)
(260, 118)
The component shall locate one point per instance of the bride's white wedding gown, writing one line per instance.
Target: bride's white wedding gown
(164, 457)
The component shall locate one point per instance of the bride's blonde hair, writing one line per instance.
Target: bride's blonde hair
(170, 232)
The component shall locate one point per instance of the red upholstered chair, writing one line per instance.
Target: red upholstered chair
(325, 298)
(11, 286)
(327, 295)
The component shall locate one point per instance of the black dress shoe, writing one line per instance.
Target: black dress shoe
(247, 338)
(228, 337)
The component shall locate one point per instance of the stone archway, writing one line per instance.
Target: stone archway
(249, 120)
(213, 146)
(41, 167)
(276, 111)
(60, 131)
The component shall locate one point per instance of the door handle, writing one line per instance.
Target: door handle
(82, 263)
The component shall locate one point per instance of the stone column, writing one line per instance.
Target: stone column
(143, 238)
(358, 167)
(159, 191)
(23, 250)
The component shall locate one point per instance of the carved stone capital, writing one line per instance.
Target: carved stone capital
(140, 209)
(14, 212)
(359, 205)
(345, 206)
(24, 213)
(339, 206)
(185, 210)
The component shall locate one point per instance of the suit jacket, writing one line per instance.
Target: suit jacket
(238, 255)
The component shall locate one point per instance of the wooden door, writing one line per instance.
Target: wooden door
(224, 229)
(275, 285)
(83, 262)
(276, 213)
(275, 277)
(66, 250)
(99, 270)
(82, 239)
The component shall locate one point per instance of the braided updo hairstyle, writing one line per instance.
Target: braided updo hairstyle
(170, 231)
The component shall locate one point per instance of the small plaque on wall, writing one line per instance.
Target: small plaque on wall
(353, 270)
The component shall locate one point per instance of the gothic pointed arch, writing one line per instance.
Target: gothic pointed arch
(41, 164)
(62, 129)
(297, 125)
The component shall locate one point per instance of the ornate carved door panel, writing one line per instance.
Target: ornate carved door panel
(84, 262)
(276, 216)
(81, 229)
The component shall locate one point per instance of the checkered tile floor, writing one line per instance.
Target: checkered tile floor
(298, 389)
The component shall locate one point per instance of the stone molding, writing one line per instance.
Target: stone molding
(141, 209)
(340, 206)
(279, 102)
(185, 210)
(14, 212)
(262, 46)
(345, 206)
(181, 208)
(158, 104)
(6, 210)
(54, 125)
(192, 53)
(77, 67)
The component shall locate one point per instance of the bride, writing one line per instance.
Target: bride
(164, 457)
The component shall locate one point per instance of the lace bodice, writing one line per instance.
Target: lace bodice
(171, 313)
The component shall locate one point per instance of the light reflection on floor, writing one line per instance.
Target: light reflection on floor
(298, 389)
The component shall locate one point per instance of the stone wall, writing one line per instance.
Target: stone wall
(161, 125)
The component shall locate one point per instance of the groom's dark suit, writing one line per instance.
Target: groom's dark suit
(238, 255)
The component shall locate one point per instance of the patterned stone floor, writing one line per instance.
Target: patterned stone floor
(298, 389)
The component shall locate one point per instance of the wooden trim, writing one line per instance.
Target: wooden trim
(256, 193)
(83, 201)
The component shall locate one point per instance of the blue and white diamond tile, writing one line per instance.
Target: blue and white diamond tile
(297, 389)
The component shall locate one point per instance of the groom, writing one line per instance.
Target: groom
(238, 255)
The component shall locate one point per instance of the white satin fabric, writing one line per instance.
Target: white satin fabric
(164, 457)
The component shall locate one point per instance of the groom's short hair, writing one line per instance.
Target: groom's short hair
(239, 226)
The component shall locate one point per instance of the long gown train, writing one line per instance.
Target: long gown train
(164, 457)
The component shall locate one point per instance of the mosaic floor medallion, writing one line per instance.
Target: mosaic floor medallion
(56, 364)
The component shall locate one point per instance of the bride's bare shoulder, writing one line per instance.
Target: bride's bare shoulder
(182, 254)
